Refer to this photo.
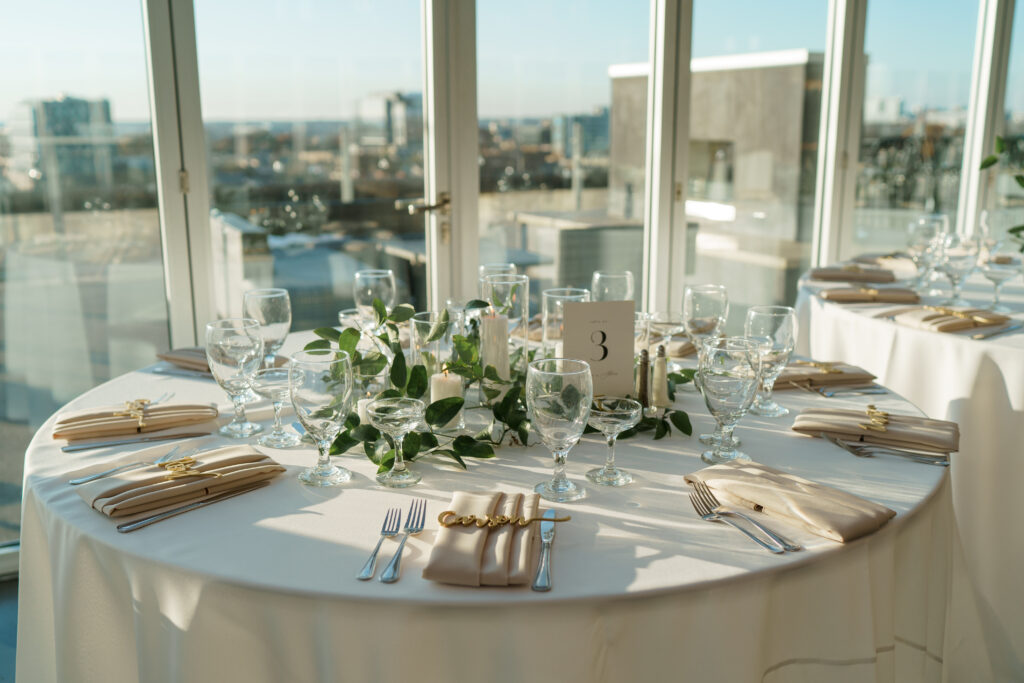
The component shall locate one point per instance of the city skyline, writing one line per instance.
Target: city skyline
(327, 81)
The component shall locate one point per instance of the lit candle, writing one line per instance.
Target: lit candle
(361, 409)
(659, 388)
(494, 343)
(443, 385)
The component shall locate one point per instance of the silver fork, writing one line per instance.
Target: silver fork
(392, 520)
(870, 450)
(413, 525)
(851, 391)
(709, 515)
(702, 490)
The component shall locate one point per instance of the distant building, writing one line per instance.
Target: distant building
(884, 110)
(390, 119)
(596, 136)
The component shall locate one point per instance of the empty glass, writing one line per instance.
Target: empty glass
(705, 309)
(925, 241)
(559, 392)
(320, 386)
(959, 260)
(553, 317)
(999, 270)
(611, 417)
(234, 351)
(272, 383)
(607, 285)
(397, 417)
(370, 285)
(775, 327)
(272, 309)
(729, 372)
(486, 269)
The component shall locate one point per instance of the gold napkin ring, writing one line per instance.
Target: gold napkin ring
(854, 268)
(827, 367)
(450, 518)
(878, 420)
(870, 291)
(182, 467)
(962, 315)
(135, 409)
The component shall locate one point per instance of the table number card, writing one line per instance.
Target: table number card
(601, 333)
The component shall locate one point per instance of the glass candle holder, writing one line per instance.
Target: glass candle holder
(553, 317)
(509, 315)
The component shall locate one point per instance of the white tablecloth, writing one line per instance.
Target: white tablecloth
(979, 384)
(262, 588)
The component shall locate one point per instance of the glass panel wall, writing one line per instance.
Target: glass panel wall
(755, 106)
(916, 94)
(81, 274)
(1004, 198)
(313, 113)
(563, 111)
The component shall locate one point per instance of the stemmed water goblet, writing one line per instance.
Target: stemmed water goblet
(559, 392)
(999, 271)
(959, 260)
(926, 237)
(320, 386)
(272, 309)
(396, 417)
(369, 285)
(234, 351)
(608, 285)
(272, 383)
(611, 416)
(775, 328)
(728, 375)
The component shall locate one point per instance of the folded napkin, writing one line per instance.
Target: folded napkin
(151, 490)
(877, 427)
(131, 417)
(820, 509)
(489, 556)
(191, 358)
(861, 295)
(812, 374)
(852, 273)
(680, 349)
(948, 319)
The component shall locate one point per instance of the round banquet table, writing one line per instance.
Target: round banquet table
(980, 385)
(262, 587)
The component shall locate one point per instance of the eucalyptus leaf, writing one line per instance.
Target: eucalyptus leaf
(390, 393)
(427, 441)
(453, 455)
(439, 413)
(402, 313)
(351, 420)
(399, 373)
(348, 340)
(661, 430)
(328, 333)
(477, 303)
(386, 462)
(468, 447)
(439, 328)
(1000, 145)
(371, 364)
(380, 311)
(465, 348)
(342, 443)
(365, 433)
(988, 161)
(681, 421)
(317, 345)
(417, 385)
(1019, 179)
(411, 445)
(524, 433)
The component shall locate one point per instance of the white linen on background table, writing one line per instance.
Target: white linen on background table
(262, 587)
(980, 385)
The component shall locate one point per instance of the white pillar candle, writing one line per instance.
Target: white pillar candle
(494, 343)
(659, 382)
(361, 409)
(443, 385)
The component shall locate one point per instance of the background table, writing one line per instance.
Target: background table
(980, 385)
(262, 587)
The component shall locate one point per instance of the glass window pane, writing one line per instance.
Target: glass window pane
(562, 139)
(82, 273)
(755, 103)
(1004, 198)
(313, 113)
(915, 112)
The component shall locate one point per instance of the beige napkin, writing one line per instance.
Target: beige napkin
(473, 556)
(948, 319)
(191, 358)
(901, 431)
(852, 273)
(861, 295)
(820, 509)
(146, 491)
(127, 419)
(891, 261)
(811, 374)
(680, 349)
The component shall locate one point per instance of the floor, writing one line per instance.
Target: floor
(8, 628)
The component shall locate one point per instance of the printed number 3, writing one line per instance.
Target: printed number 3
(599, 337)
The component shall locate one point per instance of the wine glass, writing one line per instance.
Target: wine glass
(607, 285)
(926, 239)
(729, 371)
(272, 309)
(272, 383)
(370, 285)
(234, 351)
(486, 269)
(349, 317)
(320, 386)
(959, 260)
(705, 309)
(397, 417)
(999, 270)
(612, 416)
(775, 327)
(559, 392)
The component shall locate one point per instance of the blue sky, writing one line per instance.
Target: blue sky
(292, 59)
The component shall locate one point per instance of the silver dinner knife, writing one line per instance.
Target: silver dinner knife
(74, 448)
(542, 582)
(1008, 328)
(153, 519)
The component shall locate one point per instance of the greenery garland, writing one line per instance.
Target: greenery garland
(505, 399)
